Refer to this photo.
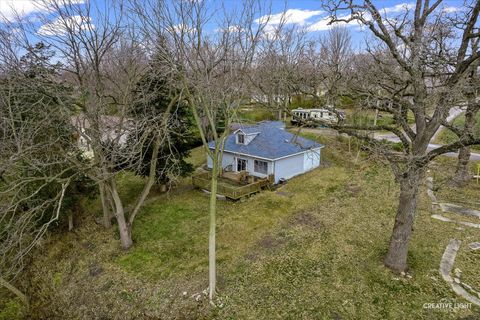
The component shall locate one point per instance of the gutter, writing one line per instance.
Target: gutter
(271, 159)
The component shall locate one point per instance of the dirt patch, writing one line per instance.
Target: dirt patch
(88, 245)
(306, 219)
(271, 242)
(325, 164)
(283, 193)
(95, 269)
(352, 189)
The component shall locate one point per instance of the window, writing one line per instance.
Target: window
(241, 164)
(260, 166)
(241, 138)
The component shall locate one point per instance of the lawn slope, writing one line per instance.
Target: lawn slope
(311, 249)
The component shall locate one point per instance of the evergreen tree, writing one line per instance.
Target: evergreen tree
(153, 94)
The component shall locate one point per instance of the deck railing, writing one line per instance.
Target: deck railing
(231, 191)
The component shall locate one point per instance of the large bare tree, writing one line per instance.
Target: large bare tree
(416, 63)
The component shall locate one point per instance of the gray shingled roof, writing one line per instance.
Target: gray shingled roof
(272, 141)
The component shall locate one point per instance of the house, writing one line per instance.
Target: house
(112, 128)
(267, 149)
(316, 114)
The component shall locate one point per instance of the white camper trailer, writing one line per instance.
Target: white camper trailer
(322, 114)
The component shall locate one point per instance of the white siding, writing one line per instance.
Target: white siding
(249, 138)
(287, 168)
(231, 159)
(311, 159)
(283, 168)
(227, 160)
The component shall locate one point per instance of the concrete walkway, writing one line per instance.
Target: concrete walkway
(446, 265)
(448, 259)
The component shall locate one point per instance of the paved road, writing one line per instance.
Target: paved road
(454, 112)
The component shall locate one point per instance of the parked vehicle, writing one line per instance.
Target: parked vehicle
(301, 115)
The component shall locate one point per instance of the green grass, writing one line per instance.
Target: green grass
(367, 117)
(10, 308)
(255, 113)
(446, 136)
(310, 250)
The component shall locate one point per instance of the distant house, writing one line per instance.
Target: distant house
(323, 114)
(111, 128)
(267, 149)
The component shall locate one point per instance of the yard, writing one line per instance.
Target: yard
(311, 249)
(447, 136)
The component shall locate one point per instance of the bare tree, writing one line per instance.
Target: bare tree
(276, 66)
(417, 62)
(34, 175)
(334, 58)
(462, 172)
(104, 61)
(212, 70)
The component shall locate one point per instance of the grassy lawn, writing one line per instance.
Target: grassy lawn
(367, 117)
(447, 136)
(310, 250)
(255, 113)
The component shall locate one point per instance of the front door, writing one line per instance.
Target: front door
(241, 164)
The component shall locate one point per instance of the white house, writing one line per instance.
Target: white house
(268, 149)
(111, 128)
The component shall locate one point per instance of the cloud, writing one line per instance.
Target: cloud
(10, 8)
(399, 8)
(451, 9)
(183, 28)
(323, 24)
(291, 16)
(60, 26)
(230, 29)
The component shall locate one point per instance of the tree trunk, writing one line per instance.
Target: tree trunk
(462, 173)
(70, 221)
(123, 226)
(396, 258)
(212, 273)
(106, 221)
(125, 231)
(15, 291)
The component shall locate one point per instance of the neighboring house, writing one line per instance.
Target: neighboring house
(316, 114)
(268, 149)
(111, 128)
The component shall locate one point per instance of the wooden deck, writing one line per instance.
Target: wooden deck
(228, 188)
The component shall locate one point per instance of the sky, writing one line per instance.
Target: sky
(303, 13)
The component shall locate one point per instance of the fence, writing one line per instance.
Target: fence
(203, 181)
